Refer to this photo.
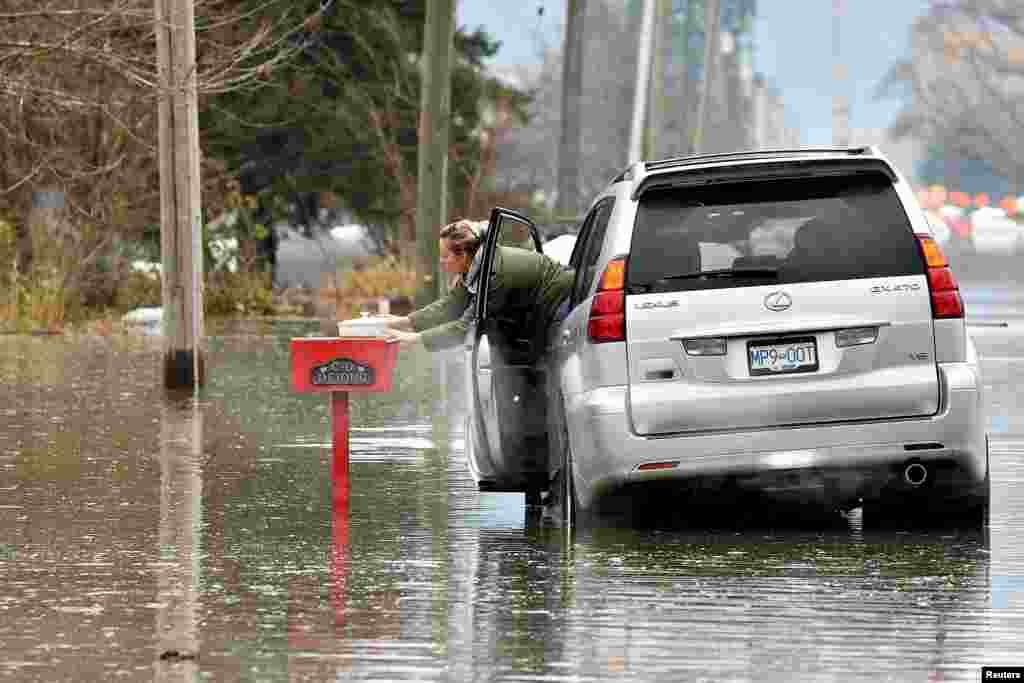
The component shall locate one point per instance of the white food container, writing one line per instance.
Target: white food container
(366, 326)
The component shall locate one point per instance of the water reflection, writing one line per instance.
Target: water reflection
(131, 525)
(784, 605)
(180, 540)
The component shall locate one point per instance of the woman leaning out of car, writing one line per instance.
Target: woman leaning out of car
(525, 291)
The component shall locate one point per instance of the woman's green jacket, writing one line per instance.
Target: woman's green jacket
(525, 291)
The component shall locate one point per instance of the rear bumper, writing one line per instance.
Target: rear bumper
(852, 459)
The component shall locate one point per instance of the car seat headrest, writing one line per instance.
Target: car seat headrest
(814, 235)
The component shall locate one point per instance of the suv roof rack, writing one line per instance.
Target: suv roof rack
(693, 160)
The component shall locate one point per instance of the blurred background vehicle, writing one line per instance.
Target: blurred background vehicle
(560, 248)
(954, 218)
(993, 232)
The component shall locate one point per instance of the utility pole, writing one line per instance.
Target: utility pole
(687, 87)
(711, 49)
(759, 106)
(572, 90)
(840, 104)
(643, 76)
(435, 120)
(656, 123)
(180, 208)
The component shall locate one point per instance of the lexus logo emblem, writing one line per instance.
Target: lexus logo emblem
(778, 301)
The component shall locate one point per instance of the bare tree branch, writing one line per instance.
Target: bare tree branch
(963, 84)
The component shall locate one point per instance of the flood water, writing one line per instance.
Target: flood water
(153, 537)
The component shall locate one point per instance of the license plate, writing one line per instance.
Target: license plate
(782, 356)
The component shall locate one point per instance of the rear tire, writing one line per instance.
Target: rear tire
(567, 488)
(923, 511)
(469, 438)
(976, 511)
(533, 495)
(917, 508)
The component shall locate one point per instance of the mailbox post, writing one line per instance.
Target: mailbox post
(338, 366)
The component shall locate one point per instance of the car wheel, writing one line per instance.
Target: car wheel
(972, 511)
(569, 508)
(469, 439)
(562, 495)
(920, 510)
(534, 496)
(976, 510)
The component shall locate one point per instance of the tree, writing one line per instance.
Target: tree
(78, 90)
(527, 159)
(336, 130)
(963, 82)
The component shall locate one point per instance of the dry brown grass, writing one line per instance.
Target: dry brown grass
(374, 279)
(38, 301)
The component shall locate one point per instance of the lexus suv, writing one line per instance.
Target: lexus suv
(779, 322)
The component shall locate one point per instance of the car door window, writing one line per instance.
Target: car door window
(590, 250)
(505, 228)
(516, 233)
(581, 239)
(576, 258)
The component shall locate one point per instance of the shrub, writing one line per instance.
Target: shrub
(384, 277)
(232, 294)
(136, 290)
(34, 302)
(8, 273)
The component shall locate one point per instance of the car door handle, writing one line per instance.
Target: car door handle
(568, 336)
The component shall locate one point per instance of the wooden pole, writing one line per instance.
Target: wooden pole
(435, 120)
(181, 216)
(840, 103)
(687, 84)
(711, 50)
(572, 89)
(643, 77)
(656, 120)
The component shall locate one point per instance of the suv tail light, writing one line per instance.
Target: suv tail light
(945, 293)
(607, 321)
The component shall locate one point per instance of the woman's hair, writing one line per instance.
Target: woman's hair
(463, 237)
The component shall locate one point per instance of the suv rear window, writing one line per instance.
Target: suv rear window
(772, 231)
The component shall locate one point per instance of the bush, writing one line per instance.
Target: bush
(35, 302)
(385, 277)
(8, 302)
(232, 294)
(137, 290)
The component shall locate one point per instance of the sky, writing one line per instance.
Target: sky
(793, 48)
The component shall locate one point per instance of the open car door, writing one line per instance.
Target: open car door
(501, 439)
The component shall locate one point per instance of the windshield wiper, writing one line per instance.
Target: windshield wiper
(759, 271)
(738, 273)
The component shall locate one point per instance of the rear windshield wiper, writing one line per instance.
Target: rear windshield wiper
(759, 271)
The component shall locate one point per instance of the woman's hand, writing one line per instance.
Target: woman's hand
(406, 339)
(396, 322)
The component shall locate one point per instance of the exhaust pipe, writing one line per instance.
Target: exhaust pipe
(915, 474)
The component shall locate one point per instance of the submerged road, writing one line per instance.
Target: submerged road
(143, 538)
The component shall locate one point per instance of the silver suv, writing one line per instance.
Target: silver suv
(782, 323)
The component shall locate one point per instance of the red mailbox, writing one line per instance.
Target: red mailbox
(339, 365)
(329, 364)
